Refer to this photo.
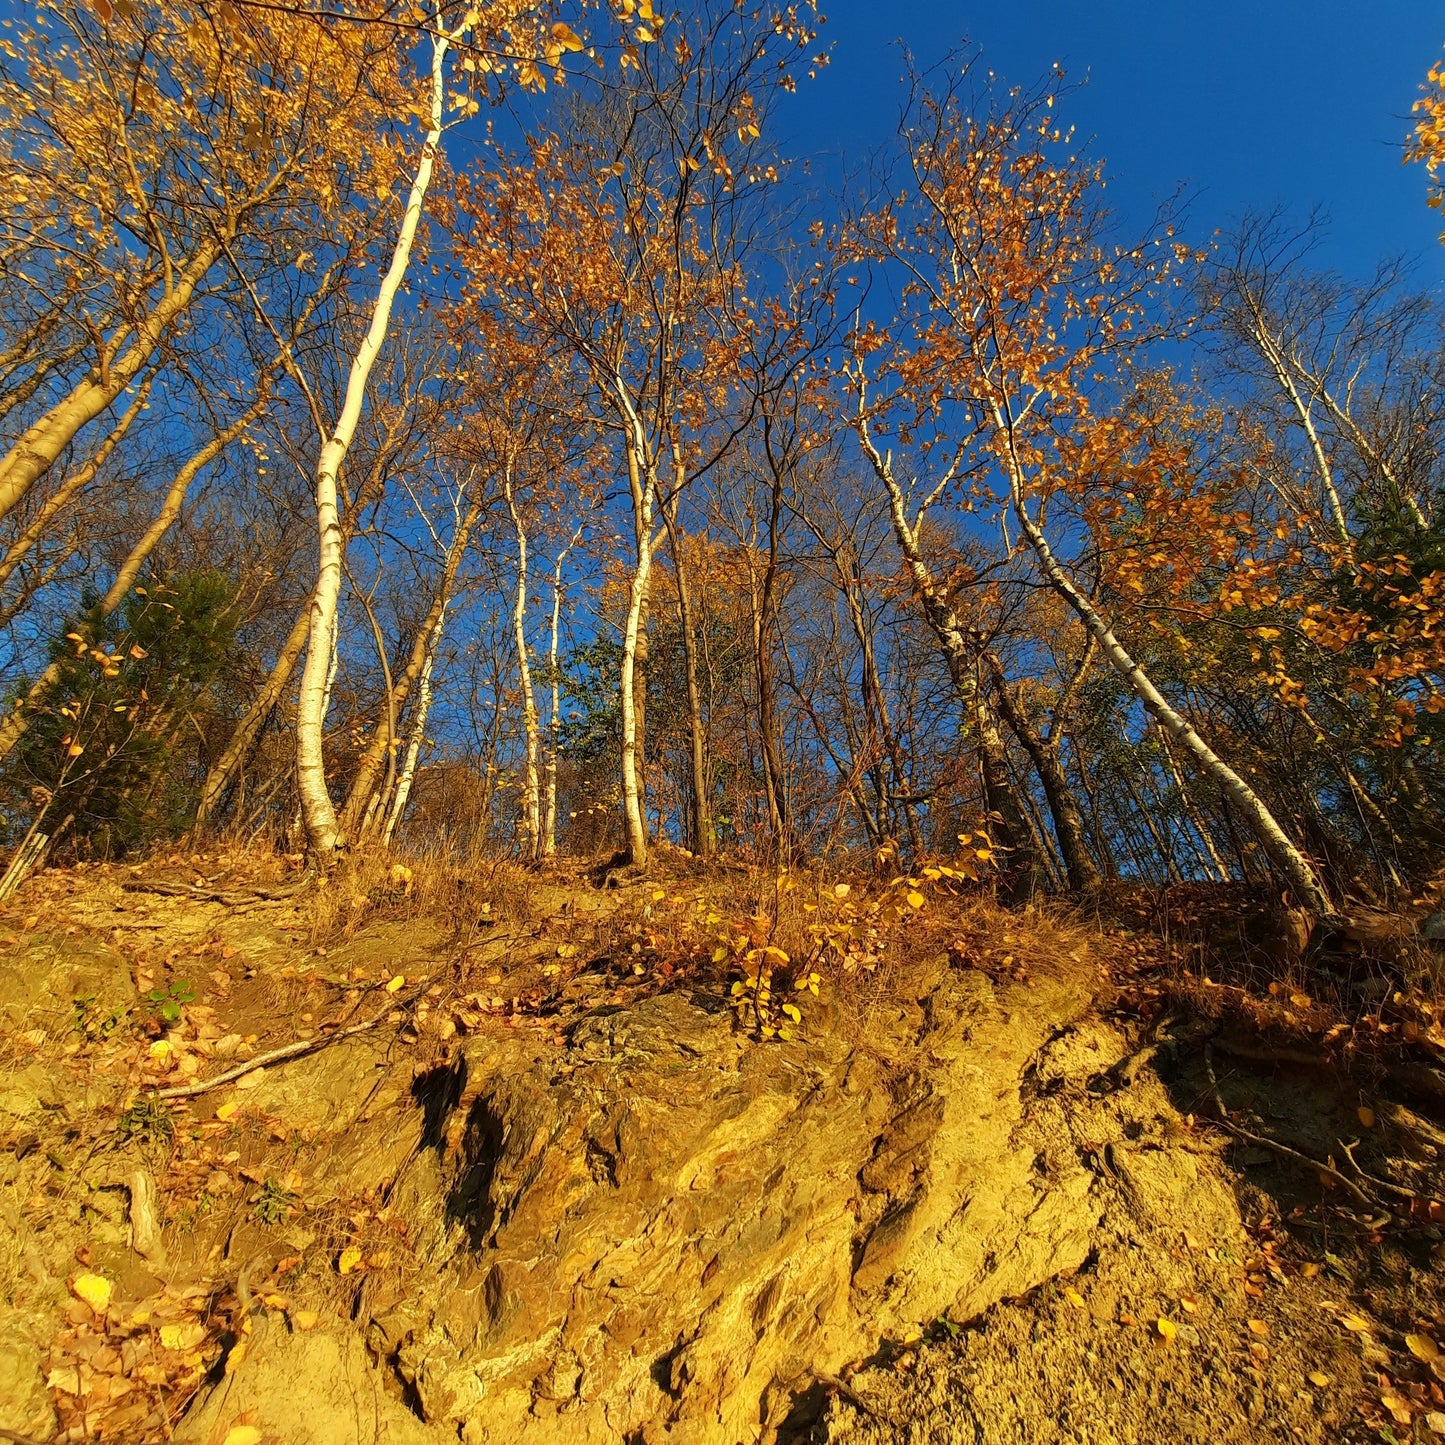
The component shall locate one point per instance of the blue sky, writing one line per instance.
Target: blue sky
(1303, 102)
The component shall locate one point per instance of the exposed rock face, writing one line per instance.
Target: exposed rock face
(668, 1232)
(318, 1389)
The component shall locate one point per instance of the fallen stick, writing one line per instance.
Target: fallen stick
(17, 1438)
(216, 895)
(278, 1056)
(1265, 1142)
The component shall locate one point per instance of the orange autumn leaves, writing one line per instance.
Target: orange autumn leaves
(1428, 142)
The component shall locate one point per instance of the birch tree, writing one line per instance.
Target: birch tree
(1020, 312)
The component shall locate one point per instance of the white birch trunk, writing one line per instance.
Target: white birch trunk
(1269, 348)
(554, 717)
(642, 476)
(318, 811)
(417, 734)
(532, 800)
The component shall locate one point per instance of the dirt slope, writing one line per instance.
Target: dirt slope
(556, 1193)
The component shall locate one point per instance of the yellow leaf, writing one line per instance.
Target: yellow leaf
(75, 749)
(94, 1289)
(1165, 1329)
(1422, 1347)
(1366, 1116)
(1355, 1323)
(1397, 1406)
(915, 899)
(644, 34)
(1311, 1269)
(162, 1049)
(304, 1319)
(396, 983)
(1258, 1327)
(1319, 1378)
(227, 1109)
(1073, 1297)
(350, 1259)
(234, 1361)
(658, 894)
(241, 1434)
(182, 1337)
(566, 37)
(841, 890)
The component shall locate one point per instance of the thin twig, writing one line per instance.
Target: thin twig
(1398, 1190)
(1263, 1141)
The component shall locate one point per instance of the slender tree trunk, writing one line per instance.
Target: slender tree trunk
(36, 450)
(1010, 830)
(1103, 850)
(1268, 347)
(362, 796)
(80, 478)
(224, 770)
(318, 812)
(632, 682)
(417, 733)
(1162, 849)
(13, 727)
(766, 624)
(1045, 849)
(1007, 825)
(554, 717)
(1068, 822)
(387, 741)
(702, 837)
(875, 705)
(1286, 857)
(532, 801)
(632, 803)
(1195, 818)
(766, 719)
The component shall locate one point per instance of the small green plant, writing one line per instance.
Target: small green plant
(95, 1023)
(273, 1203)
(167, 1003)
(147, 1121)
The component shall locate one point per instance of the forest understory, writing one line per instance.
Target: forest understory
(711, 1155)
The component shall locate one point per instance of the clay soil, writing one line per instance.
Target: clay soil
(537, 1175)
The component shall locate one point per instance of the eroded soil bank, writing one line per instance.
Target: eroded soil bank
(556, 1191)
